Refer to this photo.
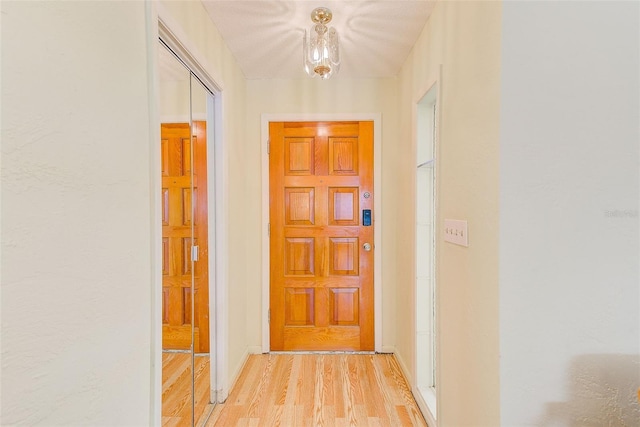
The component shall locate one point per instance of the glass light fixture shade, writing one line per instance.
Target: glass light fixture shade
(321, 51)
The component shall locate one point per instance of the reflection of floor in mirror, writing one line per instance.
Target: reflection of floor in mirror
(176, 389)
(319, 390)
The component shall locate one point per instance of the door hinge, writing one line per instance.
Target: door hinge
(194, 253)
(269, 316)
(268, 146)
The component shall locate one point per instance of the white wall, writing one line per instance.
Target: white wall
(76, 210)
(569, 282)
(465, 38)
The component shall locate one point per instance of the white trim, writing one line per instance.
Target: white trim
(235, 375)
(254, 349)
(155, 220)
(428, 401)
(422, 110)
(211, 239)
(424, 409)
(222, 251)
(403, 366)
(438, 230)
(387, 349)
(377, 224)
(425, 405)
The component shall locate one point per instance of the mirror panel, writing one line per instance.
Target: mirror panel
(201, 339)
(186, 110)
(177, 239)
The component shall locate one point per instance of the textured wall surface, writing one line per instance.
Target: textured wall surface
(76, 273)
(569, 235)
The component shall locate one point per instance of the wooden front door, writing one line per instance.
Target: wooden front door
(321, 290)
(184, 207)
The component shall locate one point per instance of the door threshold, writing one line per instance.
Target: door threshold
(322, 352)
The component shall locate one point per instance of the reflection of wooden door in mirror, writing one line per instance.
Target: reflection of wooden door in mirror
(177, 217)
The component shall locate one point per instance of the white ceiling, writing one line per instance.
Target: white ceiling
(265, 36)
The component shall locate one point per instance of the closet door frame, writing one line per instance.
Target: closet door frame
(162, 26)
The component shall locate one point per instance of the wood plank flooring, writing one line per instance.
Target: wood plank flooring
(300, 390)
(176, 389)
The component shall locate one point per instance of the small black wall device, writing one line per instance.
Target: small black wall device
(366, 217)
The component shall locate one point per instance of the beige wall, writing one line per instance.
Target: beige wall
(465, 38)
(312, 96)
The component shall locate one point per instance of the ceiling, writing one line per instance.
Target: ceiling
(265, 36)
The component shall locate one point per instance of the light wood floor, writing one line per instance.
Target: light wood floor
(319, 390)
(176, 389)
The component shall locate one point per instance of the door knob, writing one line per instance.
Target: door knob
(366, 247)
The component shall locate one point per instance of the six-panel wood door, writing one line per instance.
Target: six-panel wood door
(177, 216)
(321, 284)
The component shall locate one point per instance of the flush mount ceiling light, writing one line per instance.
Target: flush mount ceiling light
(321, 53)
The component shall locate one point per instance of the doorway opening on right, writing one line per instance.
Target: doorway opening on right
(426, 143)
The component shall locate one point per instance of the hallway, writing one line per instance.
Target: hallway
(537, 123)
(319, 390)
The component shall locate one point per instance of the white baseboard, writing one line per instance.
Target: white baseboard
(254, 349)
(422, 405)
(388, 349)
(405, 370)
(424, 408)
(224, 393)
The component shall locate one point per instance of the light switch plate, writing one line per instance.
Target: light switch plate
(455, 231)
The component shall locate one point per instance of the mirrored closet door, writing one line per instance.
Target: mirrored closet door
(186, 338)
